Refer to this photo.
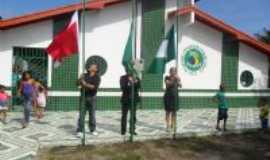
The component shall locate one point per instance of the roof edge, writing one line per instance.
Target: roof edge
(223, 27)
(51, 13)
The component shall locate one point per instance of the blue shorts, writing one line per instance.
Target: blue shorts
(222, 114)
(3, 104)
(264, 123)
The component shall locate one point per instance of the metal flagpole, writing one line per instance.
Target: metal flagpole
(134, 36)
(179, 4)
(82, 107)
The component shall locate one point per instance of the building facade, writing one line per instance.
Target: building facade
(210, 53)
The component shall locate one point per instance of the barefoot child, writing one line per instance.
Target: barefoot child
(171, 97)
(41, 101)
(222, 107)
(4, 97)
(264, 113)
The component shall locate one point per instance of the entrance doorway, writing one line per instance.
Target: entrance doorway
(34, 60)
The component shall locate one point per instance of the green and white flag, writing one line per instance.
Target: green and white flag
(128, 52)
(128, 57)
(166, 53)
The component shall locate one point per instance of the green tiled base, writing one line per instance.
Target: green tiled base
(72, 103)
(63, 103)
(207, 102)
(200, 102)
(113, 103)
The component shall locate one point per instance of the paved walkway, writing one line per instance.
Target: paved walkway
(58, 128)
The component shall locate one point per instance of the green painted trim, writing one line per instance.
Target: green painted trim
(191, 90)
(202, 102)
(180, 91)
(72, 103)
(230, 59)
(110, 89)
(113, 103)
(235, 91)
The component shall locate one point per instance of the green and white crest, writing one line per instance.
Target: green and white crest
(193, 60)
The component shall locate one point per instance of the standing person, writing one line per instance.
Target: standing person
(41, 100)
(4, 97)
(27, 91)
(126, 83)
(264, 113)
(89, 83)
(221, 99)
(171, 98)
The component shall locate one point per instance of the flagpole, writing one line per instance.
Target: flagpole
(82, 108)
(134, 50)
(177, 62)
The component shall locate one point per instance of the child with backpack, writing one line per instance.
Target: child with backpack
(27, 92)
(4, 97)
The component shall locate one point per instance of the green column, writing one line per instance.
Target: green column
(230, 57)
(152, 33)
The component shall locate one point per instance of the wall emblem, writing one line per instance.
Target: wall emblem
(100, 62)
(193, 60)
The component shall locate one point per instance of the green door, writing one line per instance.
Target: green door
(34, 60)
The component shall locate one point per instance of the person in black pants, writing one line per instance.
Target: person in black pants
(171, 98)
(126, 82)
(89, 83)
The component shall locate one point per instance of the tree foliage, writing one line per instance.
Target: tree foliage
(264, 36)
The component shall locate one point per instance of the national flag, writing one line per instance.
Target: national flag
(127, 60)
(165, 53)
(65, 43)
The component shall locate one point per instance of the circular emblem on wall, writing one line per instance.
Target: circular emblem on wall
(99, 61)
(246, 78)
(193, 60)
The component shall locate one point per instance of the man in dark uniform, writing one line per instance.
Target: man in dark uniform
(89, 83)
(126, 83)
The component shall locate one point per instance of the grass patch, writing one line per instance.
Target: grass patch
(246, 146)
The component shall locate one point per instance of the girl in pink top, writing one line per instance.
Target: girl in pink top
(4, 97)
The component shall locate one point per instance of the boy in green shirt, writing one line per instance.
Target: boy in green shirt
(222, 107)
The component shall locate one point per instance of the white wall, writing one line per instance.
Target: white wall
(3, 62)
(107, 35)
(32, 35)
(255, 62)
(207, 39)
(210, 41)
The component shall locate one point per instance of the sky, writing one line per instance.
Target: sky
(250, 16)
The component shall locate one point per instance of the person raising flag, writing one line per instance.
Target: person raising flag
(167, 52)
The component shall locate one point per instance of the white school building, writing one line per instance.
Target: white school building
(210, 53)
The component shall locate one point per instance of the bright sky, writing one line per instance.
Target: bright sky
(248, 15)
